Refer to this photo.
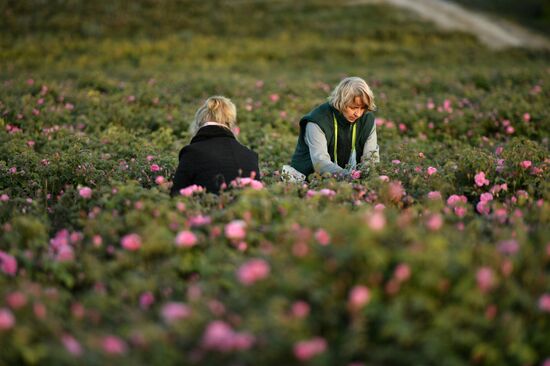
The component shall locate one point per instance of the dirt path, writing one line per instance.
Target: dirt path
(493, 32)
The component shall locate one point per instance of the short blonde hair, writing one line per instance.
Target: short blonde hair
(349, 88)
(215, 109)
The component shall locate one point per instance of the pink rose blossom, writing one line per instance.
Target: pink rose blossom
(485, 279)
(508, 246)
(154, 168)
(460, 211)
(483, 208)
(16, 300)
(322, 237)
(499, 150)
(355, 174)
(379, 207)
(486, 197)
(174, 311)
(85, 192)
(114, 345)
(300, 309)
(384, 178)
(431, 170)
(8, 264)
(434, 195)
(396, 191)
(4, 198)
(7, 320)
(454, 199)
(247, 182)
(186, 239)
(434, 222)
(481, 180)
(526, 117)
(146, 299)
(376, 221)
(358, 297)
(219, 336)
(402, 272)
(190, 190)
(274, 97)
(526, 164)
(306, 350)
(252, 271)
(327, 192)
(396, 161)
(131, 242)
(235, 230)
(71, 345)
(199, 220)
(159, 180)
(544, 303)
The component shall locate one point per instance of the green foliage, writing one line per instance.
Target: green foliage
(90, 99)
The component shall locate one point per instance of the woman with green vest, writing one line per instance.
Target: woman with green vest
(337, 135)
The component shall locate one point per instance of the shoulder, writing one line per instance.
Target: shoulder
(320, 115)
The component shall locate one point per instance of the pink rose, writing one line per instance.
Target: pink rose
(4, 198)
(434, 195)
(114, 345)
(526, 164)
(146, 300)
(235, 230)
(7, 320)
(544, 303)
(252, 271)
(186, 239)
(434, 222)
(355, 174)
(300, 309)
(154, 168)
(306, 350)
(8, 264)
(131, 242)
(71, 345)
(402, 272)
(358, 297)
(322, 237)
(174, 311)
(384, 178)
(219, 336)
(376, 221)
(483, 208)
(456, 199)
(485, 279)
(486, 197)
(481, 180)
(189, 191)
(431, 170)
(85, 192)
(159, 180)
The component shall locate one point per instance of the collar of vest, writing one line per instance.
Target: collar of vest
(341, 120)
(211, 131)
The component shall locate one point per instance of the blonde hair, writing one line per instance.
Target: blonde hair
(215, 109)
(349, 88)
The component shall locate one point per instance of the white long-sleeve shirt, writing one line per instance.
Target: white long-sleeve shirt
(318, 150)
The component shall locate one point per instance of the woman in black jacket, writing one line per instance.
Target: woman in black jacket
(214, 158)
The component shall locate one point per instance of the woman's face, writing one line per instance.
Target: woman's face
(354, 110)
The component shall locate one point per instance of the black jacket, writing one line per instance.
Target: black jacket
(212, 158)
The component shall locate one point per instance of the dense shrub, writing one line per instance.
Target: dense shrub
(439, 254)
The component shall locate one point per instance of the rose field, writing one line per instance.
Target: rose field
(438, 255)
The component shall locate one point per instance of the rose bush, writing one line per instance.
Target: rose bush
(439, 254)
